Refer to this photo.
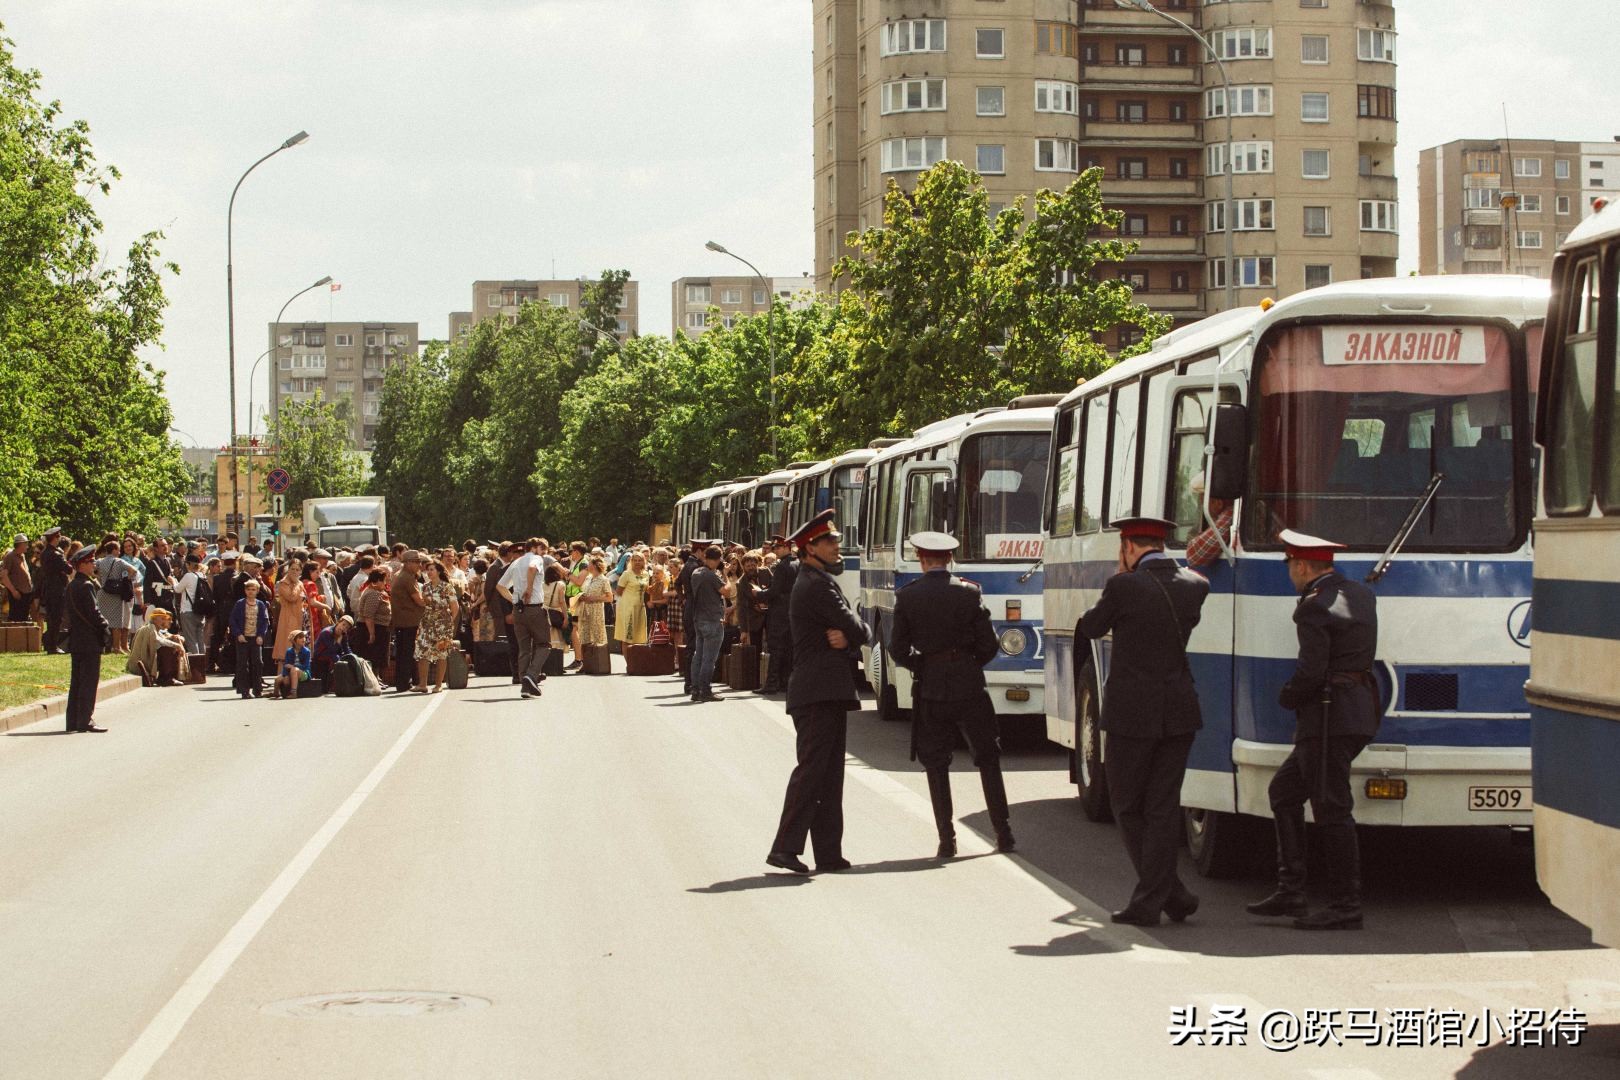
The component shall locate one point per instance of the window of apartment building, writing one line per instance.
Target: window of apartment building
(759, 297)
(1090, 109)
(398, 339)
(1247, 157)
(731, 296)
(1135, 225)
(1313, 108)
(866, 180)
(1253, 215)
(992, 209)
(345, 363)
(345, 386)
(1561, 204)
(1128, 55)
(1483, 237)
(912, 36)
(1378, 45)
(831, 145)
(1130, 112)
(861, 109)
(1530, 204)
(1178, 225)
(1486, 163)
(1313, 49)
(1057, 38)
(342, 339)
(1377, 102)
(1244, 100)
(1090, 53)
(698, 294)
(991, 158)
(829, 30)
(1529, 238)
(1249, 271)
(1178, 111)
(1178, 168)
(1317, 275)
(1313, 3)
(1317, 221)
(991, 101)
(1057, 155)
(1559, 238)
(913, 95)
(372, 341)
(904, 155)
(1313, 164)
(1527, 166)
(697, 320)
(1059, 97)
(989, 43)
(1176, 55)
(862, 61)
(1378, 215)
(557, 299)
(1136, 279)
(1180, 281)
(1561, 170)
(1482, 198)
(1131, 168)
(1243, 43)
(832, 188)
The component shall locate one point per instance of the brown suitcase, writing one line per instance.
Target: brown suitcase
(649, 659)
(598, 660)
(198, 672)
(742, 667)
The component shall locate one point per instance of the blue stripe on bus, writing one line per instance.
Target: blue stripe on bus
(1578, 608)
(1574, 761)
(1459, 577)
(992, 582)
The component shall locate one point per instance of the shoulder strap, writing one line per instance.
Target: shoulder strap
(1181, 637)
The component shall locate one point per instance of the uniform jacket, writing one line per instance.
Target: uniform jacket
(53, 561)
(88, 631)
(1150, 692)
(158, 572)
(1337, 623)
(820, 672)
(227, 586)
(497, 603)
(779, 595)
(941, 632)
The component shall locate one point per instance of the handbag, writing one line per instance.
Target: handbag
(123, 587)
(558, 619)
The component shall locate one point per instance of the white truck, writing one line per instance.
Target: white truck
(347, 521)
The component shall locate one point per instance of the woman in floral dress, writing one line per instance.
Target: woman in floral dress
(593, 598)
(438, 630)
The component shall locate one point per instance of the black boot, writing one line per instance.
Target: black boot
(1289, 897)
(995, 801)
(939, 793)
(1343, 911)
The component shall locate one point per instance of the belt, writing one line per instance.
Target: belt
(1353, 678)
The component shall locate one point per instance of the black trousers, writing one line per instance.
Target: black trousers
(814, 802)
(54, 606)
(779, 643)
(249, 667)
(17, 609)
(1305, 777)
(404, 657)
(1144, 787)
(84, 677)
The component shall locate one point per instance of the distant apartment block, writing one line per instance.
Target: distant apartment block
(501, 300)
(692, 299)
(1466, 226)
(342, 360)
(1029, 92)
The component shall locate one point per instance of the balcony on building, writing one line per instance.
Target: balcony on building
(1107, 72)
(1157, 127)
(1153, 186)
(1377, 266)
(1106, 17)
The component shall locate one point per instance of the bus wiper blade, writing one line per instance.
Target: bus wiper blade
(1405, 530)
(1026, 575)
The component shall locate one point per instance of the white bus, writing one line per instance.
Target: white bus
(1574, 687)
(979, 476)
(1352, 412)
(839, 483)
(703, 515)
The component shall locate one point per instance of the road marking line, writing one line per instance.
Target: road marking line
(165, 1027)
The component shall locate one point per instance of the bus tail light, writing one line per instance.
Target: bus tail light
(1016, 693)
(1386, 787)
(1015, 610)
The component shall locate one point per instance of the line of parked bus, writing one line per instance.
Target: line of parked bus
(1393, 416)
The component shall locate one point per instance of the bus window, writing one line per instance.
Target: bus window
(1060, 518)
(1569, 475)
(846, 501)
(1609, 477)
(1094, 463)
(1122, 451)
(1188, 436)
(925, 506)
(1003, 477)
(1352, 422)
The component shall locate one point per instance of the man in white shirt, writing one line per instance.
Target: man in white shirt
(193, 626)
(523, 585)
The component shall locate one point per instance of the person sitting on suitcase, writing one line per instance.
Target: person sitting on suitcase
(294, 666)
(331, 645)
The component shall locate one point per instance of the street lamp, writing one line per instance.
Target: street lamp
(1226, 91)
(770, 330)
(230, 307)
(253, 378)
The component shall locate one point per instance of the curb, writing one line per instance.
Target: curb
(46, 708)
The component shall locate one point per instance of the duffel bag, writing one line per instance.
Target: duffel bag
(455, 675)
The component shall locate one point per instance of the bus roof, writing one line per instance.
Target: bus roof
(1599, 226)
(859, 456)
(780, 476)
(958, 427)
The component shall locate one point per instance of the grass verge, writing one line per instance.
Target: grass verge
(26, 677)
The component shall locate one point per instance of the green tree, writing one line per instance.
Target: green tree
(312, 442)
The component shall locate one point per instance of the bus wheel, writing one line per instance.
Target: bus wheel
(1222, 844)
(1090, 779)
(888, 699)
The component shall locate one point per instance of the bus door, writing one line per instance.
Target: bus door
(928, 493)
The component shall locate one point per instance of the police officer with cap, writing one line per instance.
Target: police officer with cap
(778, 596)
(1150, 710)
(1336, 707)
(87, 635)
(941, 633)
(820, 694)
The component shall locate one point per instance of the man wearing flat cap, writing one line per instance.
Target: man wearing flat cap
(941, 633)
(87, 635)
(409, 606)
(1336, 705)
(820, 694)
(55, 574)
(1150, 710)
(778, 597)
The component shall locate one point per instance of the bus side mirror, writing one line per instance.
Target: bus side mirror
(1229, 470)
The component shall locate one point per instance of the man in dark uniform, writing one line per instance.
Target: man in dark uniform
(778, 618)
(227, 589)
(820, 694)
(1150, 710)
(87, 635)
(53, 589)
(941, 633)
(683, 596)
(1337, 623)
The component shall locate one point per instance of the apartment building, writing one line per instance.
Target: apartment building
(501, 299)
(692, 299)
(342, 360)
(1491, 206)
(1028, 92)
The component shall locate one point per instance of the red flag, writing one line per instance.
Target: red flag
(336, 285)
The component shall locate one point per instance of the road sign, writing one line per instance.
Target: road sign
(278, 481)
(278, 505)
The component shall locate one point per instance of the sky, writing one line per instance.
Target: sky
(462, 140)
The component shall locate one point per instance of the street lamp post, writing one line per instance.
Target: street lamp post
(230, 307)
(253, 378)
(1226, 91)
(770, 330)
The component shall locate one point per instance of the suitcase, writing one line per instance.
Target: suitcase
(554, 662)
(598, 661)
(311, 688)
(493, 657)
(742, 667)
(649, 659)
(345, 679)
(455, 676)
(199, 667)
(20, 637)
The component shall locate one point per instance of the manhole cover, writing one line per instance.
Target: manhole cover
(367, 1003)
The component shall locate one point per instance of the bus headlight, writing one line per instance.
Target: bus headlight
(1013, 641)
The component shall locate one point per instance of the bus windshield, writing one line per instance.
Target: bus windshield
(846, 501)
(1353, 421)
(767, 514)
(1003, 476)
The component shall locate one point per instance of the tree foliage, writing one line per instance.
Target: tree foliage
(85, 443)
(311, 440)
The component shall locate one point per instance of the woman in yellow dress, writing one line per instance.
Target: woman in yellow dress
(593, 597)
(630, 627)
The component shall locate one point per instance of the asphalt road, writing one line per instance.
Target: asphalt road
(471, 885)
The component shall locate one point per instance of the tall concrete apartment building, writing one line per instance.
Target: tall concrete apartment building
(1464, 225)
(691, 298)
(501, 299)
(1028, 92)
(340, 359)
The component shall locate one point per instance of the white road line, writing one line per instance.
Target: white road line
(165, 1027)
